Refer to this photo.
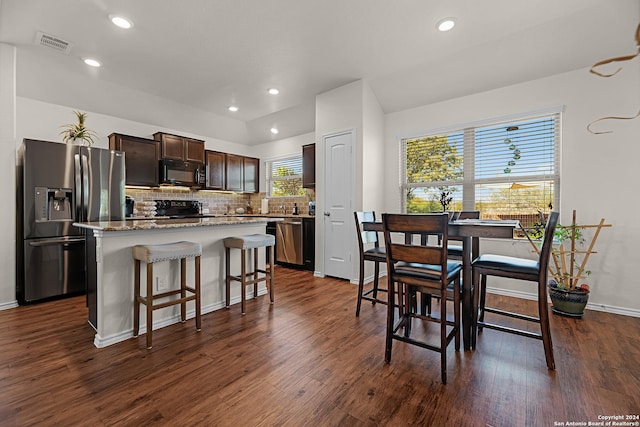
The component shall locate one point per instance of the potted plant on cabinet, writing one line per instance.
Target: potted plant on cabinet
(569, 295)
(78, 132)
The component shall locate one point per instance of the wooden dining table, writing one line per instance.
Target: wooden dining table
(469, 232)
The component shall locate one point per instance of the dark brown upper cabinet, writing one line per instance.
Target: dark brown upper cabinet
(234, 175)
(251, 179)
(216, 170)
(141, 158)
(309, 166)
(180, 147)
(232, 172)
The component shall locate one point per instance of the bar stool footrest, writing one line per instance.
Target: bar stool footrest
(247, 281)
(144, 301)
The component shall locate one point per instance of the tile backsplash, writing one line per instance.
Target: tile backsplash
(219, 202)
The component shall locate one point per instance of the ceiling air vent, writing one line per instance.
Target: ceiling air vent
(53, 42)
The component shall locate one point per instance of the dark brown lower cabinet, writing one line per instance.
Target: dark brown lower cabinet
(309, 243)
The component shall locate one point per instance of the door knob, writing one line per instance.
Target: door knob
(327, 214)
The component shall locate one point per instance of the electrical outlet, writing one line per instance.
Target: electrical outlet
(162, 284)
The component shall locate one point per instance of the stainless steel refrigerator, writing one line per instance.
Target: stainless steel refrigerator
(62, 184)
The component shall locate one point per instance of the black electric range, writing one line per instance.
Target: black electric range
(178, 209)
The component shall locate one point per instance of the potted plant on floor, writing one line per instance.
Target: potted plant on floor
(569, 294)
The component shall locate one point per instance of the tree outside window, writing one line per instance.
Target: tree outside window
(284, 177)
(289, 185)
(429, 161)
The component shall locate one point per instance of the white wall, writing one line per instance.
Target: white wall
(370, 170)
(372, 160)
(8, 174)
(598, 172)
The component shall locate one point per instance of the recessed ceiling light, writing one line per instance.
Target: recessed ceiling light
(446, 24)
(274, 131)
(121, 22)
(233, 108)
(273, 91)
(92, 62)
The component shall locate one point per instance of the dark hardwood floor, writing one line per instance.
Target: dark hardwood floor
(307, 360)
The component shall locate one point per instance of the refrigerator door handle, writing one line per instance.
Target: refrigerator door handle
(78, 187)
(50, 242)
(82, 186)
(85, 187)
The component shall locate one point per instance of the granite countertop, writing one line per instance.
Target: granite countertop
(268, 215)
(277, 215)
(161, 223)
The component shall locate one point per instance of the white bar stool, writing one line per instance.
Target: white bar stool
(244, 243)
(151, 254)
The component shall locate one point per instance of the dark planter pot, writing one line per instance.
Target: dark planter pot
(568, 303)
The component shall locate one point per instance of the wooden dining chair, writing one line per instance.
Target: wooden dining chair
(370, 250)
(417, 267)
(520, 269)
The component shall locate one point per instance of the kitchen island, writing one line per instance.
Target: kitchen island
(110, 268)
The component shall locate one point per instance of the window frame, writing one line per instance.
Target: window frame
(270, 179)
(469, 182)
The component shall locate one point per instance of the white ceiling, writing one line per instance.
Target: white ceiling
(204, 55)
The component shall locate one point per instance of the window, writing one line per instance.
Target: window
(284, 177)
(506, 170)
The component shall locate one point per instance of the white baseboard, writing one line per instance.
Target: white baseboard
(369, 279)
(101, 342)
(614, 310)
(590, 306)
(8, 305)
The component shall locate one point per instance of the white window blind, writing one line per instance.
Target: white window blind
(284, 177)
(516, 167)
(505, 170)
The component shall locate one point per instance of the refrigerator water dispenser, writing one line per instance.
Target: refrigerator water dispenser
(53, 204)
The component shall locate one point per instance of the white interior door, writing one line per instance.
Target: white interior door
(338, 212)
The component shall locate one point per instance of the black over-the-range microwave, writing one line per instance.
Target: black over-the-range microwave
(179, 172)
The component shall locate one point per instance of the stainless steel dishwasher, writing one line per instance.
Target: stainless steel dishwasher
(289, 242)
